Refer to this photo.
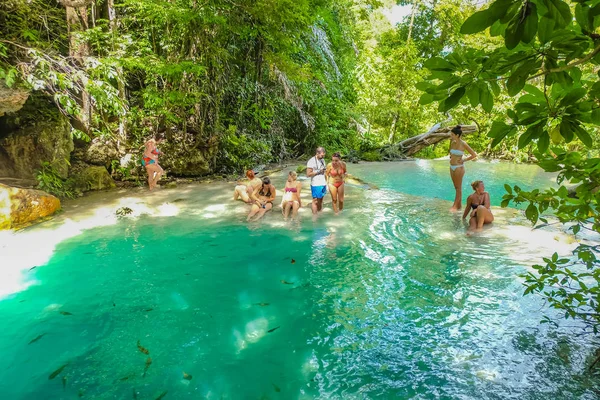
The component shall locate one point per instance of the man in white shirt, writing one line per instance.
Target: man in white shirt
(315, 169)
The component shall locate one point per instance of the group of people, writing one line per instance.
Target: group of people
(478, 203)
(261, 193)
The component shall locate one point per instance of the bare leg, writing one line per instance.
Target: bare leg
(237, 192)
(314, 206)
(262, 211)
(457, 178)
(151, 170)
(253, 211)
(334, 198)
(341, 191)
(296, 206)
(319, 204)
(159, 173)
(286, 209)
(484, 216)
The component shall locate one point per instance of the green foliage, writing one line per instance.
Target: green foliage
(49, 181)
(547, 61)
(373, 155)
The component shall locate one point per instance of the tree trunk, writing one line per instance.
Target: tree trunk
(412, 20)
(112, 18)
(412, 145)
(393, 128)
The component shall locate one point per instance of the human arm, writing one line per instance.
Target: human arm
(467, 207)
(473, 154)
(273, 194)
(487, 202)
(298, 192)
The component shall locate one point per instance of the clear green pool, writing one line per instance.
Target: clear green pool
(389, 300)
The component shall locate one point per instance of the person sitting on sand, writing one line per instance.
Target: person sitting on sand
(262, 199)
(291, 196)
(243, 191)
(150, 161)
(479, 205)
(335, 175)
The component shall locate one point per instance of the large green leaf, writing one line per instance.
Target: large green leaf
(438, 64)
(545, 29)
(532, 213)
(596, 116)
(478, 22)
(566, 131)
(473, 95)
(516, 81)
(452, 100)
(530, 26)
(425, 99)
(486, 98)
(562, 13)
(583, 135)
(543, 142)
(573, 96)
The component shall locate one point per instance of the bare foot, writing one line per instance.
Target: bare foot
(453, 209)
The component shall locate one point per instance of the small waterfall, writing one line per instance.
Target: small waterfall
(322, 44)
(293, 98)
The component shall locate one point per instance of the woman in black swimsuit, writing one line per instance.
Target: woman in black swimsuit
(262, 198)
(479, 205)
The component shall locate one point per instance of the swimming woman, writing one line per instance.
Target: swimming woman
(335, 174)
(243, 191)
(291, 196)
(262, 199)
(150, 161)
(457, 169)
(479, 205)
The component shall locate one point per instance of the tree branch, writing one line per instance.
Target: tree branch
(569, 66)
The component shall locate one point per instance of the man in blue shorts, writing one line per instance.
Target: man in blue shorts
(315, 169)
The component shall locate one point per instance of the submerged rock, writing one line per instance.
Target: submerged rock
(93, 178)
(20, 207)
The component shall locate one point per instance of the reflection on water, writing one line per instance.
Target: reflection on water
(390, 299)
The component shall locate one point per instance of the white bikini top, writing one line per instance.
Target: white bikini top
(456, 152)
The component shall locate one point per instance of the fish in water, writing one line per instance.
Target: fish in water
(148, 309)
(177, 200)
(114, 305)
(66, 313)
(142, 348)
(134, 394)
(57, 372)
(32, 268)
(274, 329)
(286, 282)
(293, 261)
(80, 393)
(187, 376)
(37, 338)
(163, 394)
(64, 382)
(276, 387)
(148, 363)
(261, 304)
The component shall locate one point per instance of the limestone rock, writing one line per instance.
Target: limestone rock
(11, 99)
(182, 156)
(101, 152)
(93, 178)
(23, 150)
(19, 207)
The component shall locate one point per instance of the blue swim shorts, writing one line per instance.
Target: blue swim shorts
(318, 192)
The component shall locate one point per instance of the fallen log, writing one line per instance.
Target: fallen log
(413, 145)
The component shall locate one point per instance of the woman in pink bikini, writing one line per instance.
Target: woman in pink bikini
(291, 196)
(335, 174)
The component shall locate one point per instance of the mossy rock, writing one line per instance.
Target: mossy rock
(93, 178)
(301, 169)
(373, 155)
(20, 207)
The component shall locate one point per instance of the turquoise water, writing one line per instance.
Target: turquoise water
(389, 300)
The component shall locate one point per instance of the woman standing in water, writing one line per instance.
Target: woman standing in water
(150, 161)
(244, 192)
(291, 196)
(335, 174)
(457, 169)
(262, 198)
(479, 205)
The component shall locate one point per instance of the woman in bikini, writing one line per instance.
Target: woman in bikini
(243, 191)
(291, 196)
(335, 175)
(457, 169)
(262, 199)
(150, 161)
(479, 205)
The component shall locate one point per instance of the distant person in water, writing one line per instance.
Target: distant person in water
(336, 175)
(243, 191)
(262, 199)
(457, 169)
(315, 170)
(478, 204)
(150, 161)
(291, 196)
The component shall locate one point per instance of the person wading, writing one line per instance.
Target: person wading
(315, 169)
